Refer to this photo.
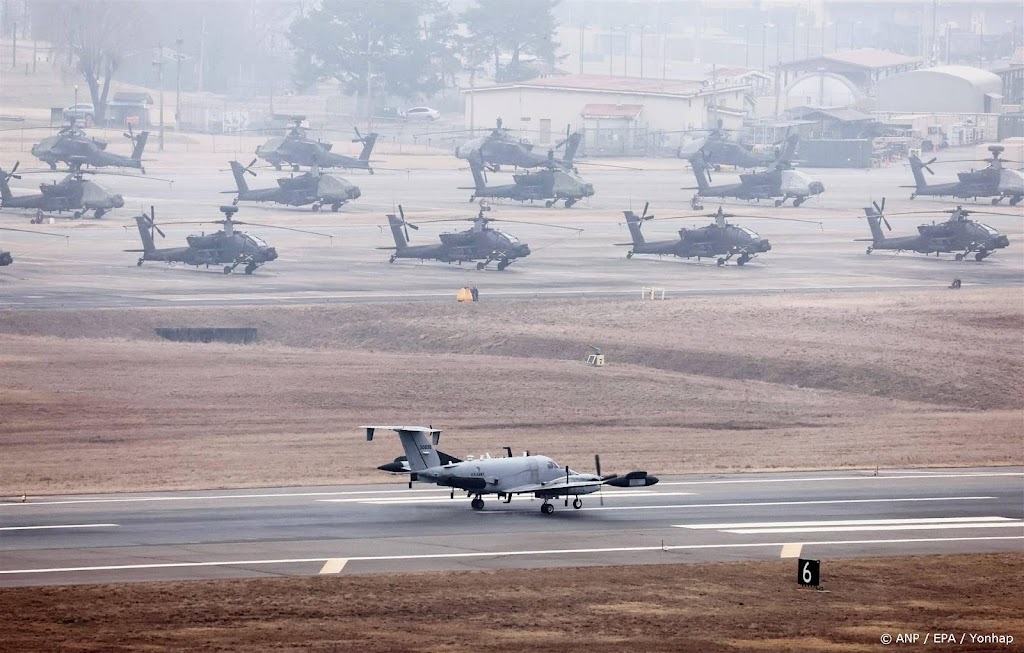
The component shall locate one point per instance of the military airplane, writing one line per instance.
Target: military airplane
(958, 234)
(721, 239)
(297, 149)
(6, 258)
(718, 149)
(537, 475)
(479, 243)
(227, 247)
(73, 194)
(311, 188)
(551, 185)
(71, 145)
(781, 183)
(498, 149)
(995, 180)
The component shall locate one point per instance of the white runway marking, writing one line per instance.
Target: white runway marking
(890, 527)
(333, 566)
(779, 503)
(211, 497)
(443, 499)
(845, 522)
(855, 525)
(916, 476)
(40, 528)
(493, 554)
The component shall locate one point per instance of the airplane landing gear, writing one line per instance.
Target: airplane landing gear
(577, 503)
(547, 508)
(477, 503)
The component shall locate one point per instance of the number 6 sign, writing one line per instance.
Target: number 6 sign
(808, 572)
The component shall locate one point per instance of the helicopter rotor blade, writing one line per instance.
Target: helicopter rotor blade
(643, 215)
(38, 233)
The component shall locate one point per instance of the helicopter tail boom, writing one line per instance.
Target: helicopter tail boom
(146, 233)
(368, 143)
(875, 222)
(396, 231)
(239, 173)
(633, 222)
(140, 145)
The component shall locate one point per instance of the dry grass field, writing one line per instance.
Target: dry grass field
(699, 384)
(724, 607)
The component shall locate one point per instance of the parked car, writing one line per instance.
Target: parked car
(83, 111)
(422, 113)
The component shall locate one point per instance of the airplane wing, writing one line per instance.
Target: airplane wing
(584, 484)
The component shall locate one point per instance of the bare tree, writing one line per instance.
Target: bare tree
(97, 35)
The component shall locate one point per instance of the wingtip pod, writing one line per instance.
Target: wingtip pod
(634, 479)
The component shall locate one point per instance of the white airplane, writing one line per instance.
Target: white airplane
(537, 475)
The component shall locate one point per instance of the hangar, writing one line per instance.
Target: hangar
(943, 89)
(621, 115)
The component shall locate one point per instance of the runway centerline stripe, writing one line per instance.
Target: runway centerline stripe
(764, 504)
(918, 476)
(847, 522)
(882, 527)
(40, 528)
(210, 497)
(492, 554)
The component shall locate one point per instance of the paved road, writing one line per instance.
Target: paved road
(388, 528)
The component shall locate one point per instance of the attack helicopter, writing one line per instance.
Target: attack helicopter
(313, 188)
(296, 149)
(995, 180)
(720, 239)
(551, 185)
(498, 149)
(73, 193)
(958, 234)
(6, 258)
(476, 243)
(227, 247)
(781, 183)
(718, 149)
(71, 145)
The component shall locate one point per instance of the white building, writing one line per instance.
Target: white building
(618, 115)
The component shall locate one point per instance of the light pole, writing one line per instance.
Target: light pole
(159, 63)
(764, 47)
(177, 83)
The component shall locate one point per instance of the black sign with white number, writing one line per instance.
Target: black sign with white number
(808, 572)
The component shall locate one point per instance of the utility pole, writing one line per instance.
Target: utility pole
(202, 54)
(178, 42)
(14, 46)
(159, 63)
(369, 87)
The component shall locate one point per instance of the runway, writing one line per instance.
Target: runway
(389, 528)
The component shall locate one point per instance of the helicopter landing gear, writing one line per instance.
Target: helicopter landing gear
(392, 258)
(234, 202)
(335, 207)
(546, 507)
(913, 195)
(77, 215)
(472, 198)
(140, 262)
(798, 201)
(548, 204)
(504, 264)
(315, 208)
(477, 503)
(481, 265)
(870, 249)
(227, 269)
(743, 259)
(721, 262)
(569, 203)
(99, 213)
(778, 203)
(250, 268)
(959, 257)
(1014, 201)
(629, 254)
(295, 167)
(577, 503)
(980, 256)
(996, 200)
(53, 165)
(696, 204)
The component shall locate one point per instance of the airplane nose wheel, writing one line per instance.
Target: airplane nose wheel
(547, 508)
(577, 503)
(477, 503)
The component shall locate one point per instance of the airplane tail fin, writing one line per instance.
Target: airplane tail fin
(633, 222)
(419, 450)
(140, 145)
(917, 166)
(368, 143)
(875, 222)
(396, 230)
(145, 225)
(572, 144)
(239, 173)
